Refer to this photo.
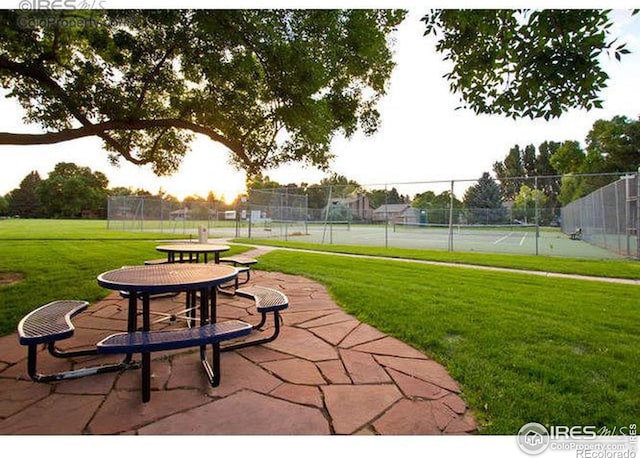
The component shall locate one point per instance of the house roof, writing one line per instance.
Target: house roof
(391, 208)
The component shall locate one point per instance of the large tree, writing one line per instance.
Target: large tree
(523, 63)
(436, 207)
(484, 201)
(73, 191)
(270, 85)
(532, 167)
(612, 147)
(24, 200)
(509, 171)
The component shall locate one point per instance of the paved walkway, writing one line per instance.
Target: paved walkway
(327, 373)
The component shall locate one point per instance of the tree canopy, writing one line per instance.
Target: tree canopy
(525, 63)
(275, 86)
(71, 191)
(270, 85)
(484, 201)
(24, 201)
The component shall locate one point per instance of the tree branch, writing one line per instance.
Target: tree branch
(7, 138)
(36, 71)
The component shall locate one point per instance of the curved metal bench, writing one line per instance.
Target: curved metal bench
(146, 342)
(267, 300)
(243, 264)
(50, 323)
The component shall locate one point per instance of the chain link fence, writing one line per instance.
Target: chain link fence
(519, 215)
(154, 214)
(608, 217)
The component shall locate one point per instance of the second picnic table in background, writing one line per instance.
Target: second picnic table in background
(191, 249)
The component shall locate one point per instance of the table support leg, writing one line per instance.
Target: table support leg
(204, 318)
(213, 370)
(214, 303)
(146, 357)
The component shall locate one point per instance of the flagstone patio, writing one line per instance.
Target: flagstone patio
(327, 373)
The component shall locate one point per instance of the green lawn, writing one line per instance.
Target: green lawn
(524, 348)
(61, 260)
(616, 268)
(72, 229)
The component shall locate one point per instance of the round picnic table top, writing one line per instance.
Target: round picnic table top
(192, 248)
(165, 278)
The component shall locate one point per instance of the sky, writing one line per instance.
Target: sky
(422, 137)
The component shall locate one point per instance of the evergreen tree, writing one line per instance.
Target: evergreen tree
(484, 201)
(24, 200)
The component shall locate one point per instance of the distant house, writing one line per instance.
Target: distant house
(358, 206)
(180, 214)
(397, 213)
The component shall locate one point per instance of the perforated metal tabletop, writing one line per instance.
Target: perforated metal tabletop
(190, 249)
(166, 278)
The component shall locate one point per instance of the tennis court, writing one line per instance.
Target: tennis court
(515, 239)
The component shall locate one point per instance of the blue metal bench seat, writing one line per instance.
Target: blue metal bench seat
(243, 264)
(146, 342)
(267, 300)
(50, 323)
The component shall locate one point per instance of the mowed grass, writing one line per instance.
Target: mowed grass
(62, 262)
(524, 348)
(77, 229)
(614, 268)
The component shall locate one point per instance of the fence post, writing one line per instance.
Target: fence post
(604, 219)
(536, 213)
(615, 188)
(638, 214)
(250, 218)
(451, 219)
(386, 217)
(326, 213)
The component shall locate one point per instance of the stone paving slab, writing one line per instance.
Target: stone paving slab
(326, 373)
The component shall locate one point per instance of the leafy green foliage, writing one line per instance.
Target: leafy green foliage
(4, 206)
(436, 207)
(271, 85)
(71, 191)
(522, 63)
(526, 203)
(484, 195)
(568, 158)
(24, 200)
(533, 168)
(509, 171)
(379, 197)
(612, 146)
